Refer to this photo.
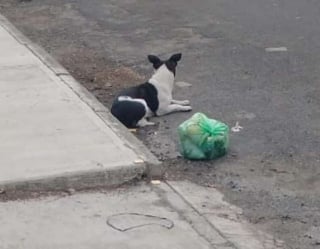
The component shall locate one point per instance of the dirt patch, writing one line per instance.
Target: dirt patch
(64, 33)
(96, 73)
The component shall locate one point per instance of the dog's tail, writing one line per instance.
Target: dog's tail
(128, 112)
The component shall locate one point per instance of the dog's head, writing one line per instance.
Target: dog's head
(170, 64)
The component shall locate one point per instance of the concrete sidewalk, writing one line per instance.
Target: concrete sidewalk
(177, 215)
(135, 217)
(53, 133)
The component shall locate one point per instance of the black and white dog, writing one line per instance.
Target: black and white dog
(154, 98)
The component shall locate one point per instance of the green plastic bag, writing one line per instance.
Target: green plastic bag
(203, 138)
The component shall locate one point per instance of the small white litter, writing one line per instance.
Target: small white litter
(237, 127)
(155, 182)
(278, 49)
(138, 161)
(183, 84)
(71, 191)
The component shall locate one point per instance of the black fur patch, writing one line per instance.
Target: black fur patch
(171, 65)
(173, 62)
(155, 60)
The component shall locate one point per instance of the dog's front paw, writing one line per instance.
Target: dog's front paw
(180, 102)
(187, 108)
(185, 102)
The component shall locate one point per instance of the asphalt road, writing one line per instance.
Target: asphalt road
(272, 169)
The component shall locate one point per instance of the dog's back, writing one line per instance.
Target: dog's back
(134, 103)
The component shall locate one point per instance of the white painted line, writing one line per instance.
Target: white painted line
(155, 182)
(278, 49)
(183, 84)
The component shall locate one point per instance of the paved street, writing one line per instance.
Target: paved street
(272, 170)
(70, 172)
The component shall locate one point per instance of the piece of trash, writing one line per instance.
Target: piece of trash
(127, 221)
(211, 186)
(237, 127)
(71, 191)
(245, 115)
(139, 161)
(155, 182)
(278, 171)
(278, 49)
(203, 138)
(2, 191)
(183, 84)
(133, 130)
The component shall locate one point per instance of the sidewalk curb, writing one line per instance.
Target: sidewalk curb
(150, 165)
(199, 224)
(220, 220)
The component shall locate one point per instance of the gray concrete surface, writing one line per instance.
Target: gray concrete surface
(110, 220)
(226, 218)
(50, 137)
(272, 170)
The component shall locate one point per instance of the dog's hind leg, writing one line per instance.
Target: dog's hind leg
(144, 122)
(180, 102)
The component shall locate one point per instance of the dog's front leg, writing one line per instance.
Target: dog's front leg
(180, 102)
(173, 108)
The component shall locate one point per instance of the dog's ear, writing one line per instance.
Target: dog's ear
(176, 57)
(155, 60)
